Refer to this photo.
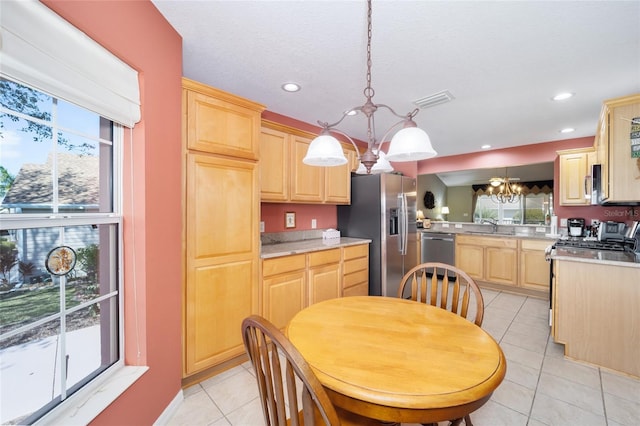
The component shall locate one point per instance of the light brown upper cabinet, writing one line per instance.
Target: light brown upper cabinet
(218, 122)
(575, 165)
(286, 179)
(620, 170)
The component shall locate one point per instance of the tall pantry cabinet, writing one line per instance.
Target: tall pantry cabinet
(221, 236)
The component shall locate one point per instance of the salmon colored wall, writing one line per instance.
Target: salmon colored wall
(517, 156)
(272, 214)
(139, 35)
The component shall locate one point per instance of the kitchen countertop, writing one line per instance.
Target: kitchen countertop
(533, 236)
(306, 246)
(606, 257)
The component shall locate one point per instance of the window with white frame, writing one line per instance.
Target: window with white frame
(60, 239)
(528, 209)
(65, 100)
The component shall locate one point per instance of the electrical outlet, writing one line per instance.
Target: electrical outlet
(458, 225)
(314, 224)
(261, 226)
(563, 222)
(445, 225)
(541, 229)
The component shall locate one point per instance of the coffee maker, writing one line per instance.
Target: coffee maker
(575, 226)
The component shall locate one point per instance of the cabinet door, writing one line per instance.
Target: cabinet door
(573, 171)
(470, 259)
(624, 170)
(274, 165)
(338, 181)
(221, 257)
(601, 146)
(307, 182)
(534, 269)
(283, 297)
(501, 265)
(324, 283)
(221, 127)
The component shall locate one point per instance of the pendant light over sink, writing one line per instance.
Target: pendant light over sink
(409, 144)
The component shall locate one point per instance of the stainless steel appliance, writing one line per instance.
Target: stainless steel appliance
(383, 209)
(597, 190)
(438, 247)
(611, 231)
(576, 226)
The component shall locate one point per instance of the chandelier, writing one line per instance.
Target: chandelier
(408, 144)
(508, 192)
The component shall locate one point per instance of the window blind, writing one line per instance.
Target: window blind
(42, 50)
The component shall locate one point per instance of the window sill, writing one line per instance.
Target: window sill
(82, 408)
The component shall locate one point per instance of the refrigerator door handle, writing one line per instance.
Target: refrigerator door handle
(404, 225)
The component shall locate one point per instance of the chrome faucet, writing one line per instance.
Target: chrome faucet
(493, 222)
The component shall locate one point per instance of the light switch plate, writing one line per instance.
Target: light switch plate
(458, 225)
(445, 225)
(314, 224)
(261, 226)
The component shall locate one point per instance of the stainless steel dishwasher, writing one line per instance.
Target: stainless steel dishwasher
(438, 247)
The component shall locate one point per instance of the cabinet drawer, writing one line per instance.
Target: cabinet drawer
(535, 244)
(355, 265)
(487, 241)
(355, 278)
(352, 252)
(323, 257)
(280, 265)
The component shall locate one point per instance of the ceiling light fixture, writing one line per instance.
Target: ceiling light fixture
(291, 87)
(485, 146)
(568, 130)
(508, 192)
(408, 144)
(562, 96)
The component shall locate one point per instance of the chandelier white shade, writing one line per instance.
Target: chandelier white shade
(409, 144)
(381, 166)
(325, 150)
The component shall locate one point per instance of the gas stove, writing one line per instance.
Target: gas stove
(591, 243)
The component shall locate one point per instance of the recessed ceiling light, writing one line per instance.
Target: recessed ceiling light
(568, 130)
(351, 112)
(485, 146)
(562, 96)
(291, 87)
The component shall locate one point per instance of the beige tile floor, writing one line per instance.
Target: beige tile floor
(540, 387)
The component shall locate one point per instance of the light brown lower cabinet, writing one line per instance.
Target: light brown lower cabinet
(534, 269)
(595, 314)
(355, 270)
(291, 283)
(508, 263)
(283, 288)
(324, 278)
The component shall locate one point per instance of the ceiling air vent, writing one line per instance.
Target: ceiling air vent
(434, 99)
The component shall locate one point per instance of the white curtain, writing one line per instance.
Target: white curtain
(42, 50)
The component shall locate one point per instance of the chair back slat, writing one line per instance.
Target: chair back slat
(444, 286)
(281, 369)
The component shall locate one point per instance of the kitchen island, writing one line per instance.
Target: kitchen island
(596, 307)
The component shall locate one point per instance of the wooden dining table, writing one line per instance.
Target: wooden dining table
(398, 360)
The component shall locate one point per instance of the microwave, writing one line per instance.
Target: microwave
(596, 193)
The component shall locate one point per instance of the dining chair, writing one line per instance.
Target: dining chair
(444, 286)
(447, 287)
(285, 381)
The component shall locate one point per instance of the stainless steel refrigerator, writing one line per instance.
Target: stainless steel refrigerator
(383, 209)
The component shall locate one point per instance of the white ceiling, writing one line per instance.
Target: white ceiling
(501, 60)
